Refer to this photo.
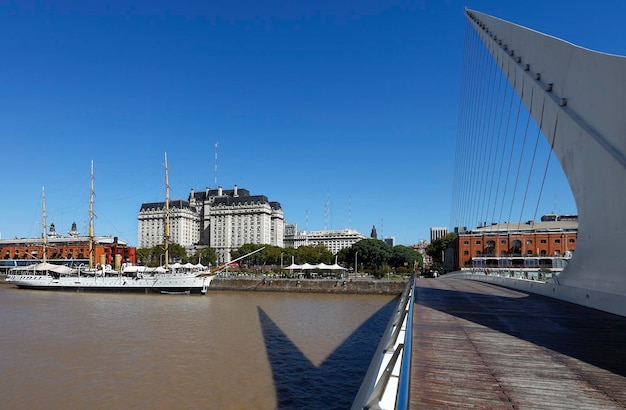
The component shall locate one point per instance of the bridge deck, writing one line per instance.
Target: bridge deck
(483, 346)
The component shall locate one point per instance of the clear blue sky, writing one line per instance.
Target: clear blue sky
(353, 104)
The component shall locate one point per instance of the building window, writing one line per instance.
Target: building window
(529, 242)
(465, 242)
(557, 241)
(529, 252)
(503, 242)
(543, 241)
(572, 241)
(478, 242)
(477, 253)
(491, 248)
(466, 253)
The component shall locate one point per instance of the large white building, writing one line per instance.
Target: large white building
(438, 232)
(333, 240)
(220, 218)
(184, 224)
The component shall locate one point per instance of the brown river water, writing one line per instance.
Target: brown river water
(225, 350)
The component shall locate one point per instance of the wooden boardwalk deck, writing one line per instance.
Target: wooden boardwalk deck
(477, 345)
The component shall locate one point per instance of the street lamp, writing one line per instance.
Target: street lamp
(281, 261)
(356, 265)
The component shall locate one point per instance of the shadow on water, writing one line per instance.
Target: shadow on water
(332, 385)
(586, 334)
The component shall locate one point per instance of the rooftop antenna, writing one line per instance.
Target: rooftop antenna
(326, 210)
(45, 226)
(554, 211)
(216, 144)
(349, 211)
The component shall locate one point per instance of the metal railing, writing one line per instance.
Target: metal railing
(387, 382)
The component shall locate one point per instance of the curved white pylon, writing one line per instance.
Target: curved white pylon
(586, 91)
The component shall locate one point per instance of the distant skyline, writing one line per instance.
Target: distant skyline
(344, 112)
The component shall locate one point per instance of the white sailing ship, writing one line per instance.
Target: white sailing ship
(141, 279)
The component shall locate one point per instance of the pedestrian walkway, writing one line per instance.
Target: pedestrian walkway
(477, 345)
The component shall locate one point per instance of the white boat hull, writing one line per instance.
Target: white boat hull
(168, 284)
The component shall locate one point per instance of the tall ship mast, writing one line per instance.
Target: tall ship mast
(138, 279)
(45, 225)
(166, 228)
(91, 216)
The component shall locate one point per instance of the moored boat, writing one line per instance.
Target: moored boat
(139, 279)
(46, 276)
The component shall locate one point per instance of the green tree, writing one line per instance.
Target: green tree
(289, 255)
(144, 256)
(372, 253)
(437, 247)
(205, 256)
(256, 259)
(271, 255)
(345, 256)
(405, 257)
(177, 253)
(155, 255)
(314, 255)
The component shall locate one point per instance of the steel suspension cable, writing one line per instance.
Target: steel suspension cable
(476, 191)
(532, 163)
(486, 141)
(530, 111)
(506, 132)
(508, 171)
(476, 125)
(492, 160)
(460, 143)
(545, 172)
(477, 51)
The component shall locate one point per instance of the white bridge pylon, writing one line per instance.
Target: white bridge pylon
(583, 93)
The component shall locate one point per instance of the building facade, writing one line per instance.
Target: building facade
(548, 243)
(421, 248)
(390, 240)
(184, 224)
(438, 232)
(333, 240)
(220, 218)
(65, 250)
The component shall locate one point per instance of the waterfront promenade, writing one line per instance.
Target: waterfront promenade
(476, 345)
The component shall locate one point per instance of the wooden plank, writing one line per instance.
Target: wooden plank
(476, 345)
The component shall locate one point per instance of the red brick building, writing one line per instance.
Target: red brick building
(527, 244)
(72, 250)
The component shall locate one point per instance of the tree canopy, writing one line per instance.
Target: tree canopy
(373, 256)
(437, 246)
(155, 255)
(205, 256)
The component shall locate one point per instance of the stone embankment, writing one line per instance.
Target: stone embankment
(342, 286)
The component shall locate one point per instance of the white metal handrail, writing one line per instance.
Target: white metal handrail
(387, 381)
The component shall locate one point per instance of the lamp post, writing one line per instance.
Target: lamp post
(356, 264)
(281, 261)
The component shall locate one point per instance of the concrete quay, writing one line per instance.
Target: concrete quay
(478, 345)
(360, 286)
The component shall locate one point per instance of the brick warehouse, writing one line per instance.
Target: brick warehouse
(509, 244)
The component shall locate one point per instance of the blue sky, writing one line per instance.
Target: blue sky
(344, 112)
